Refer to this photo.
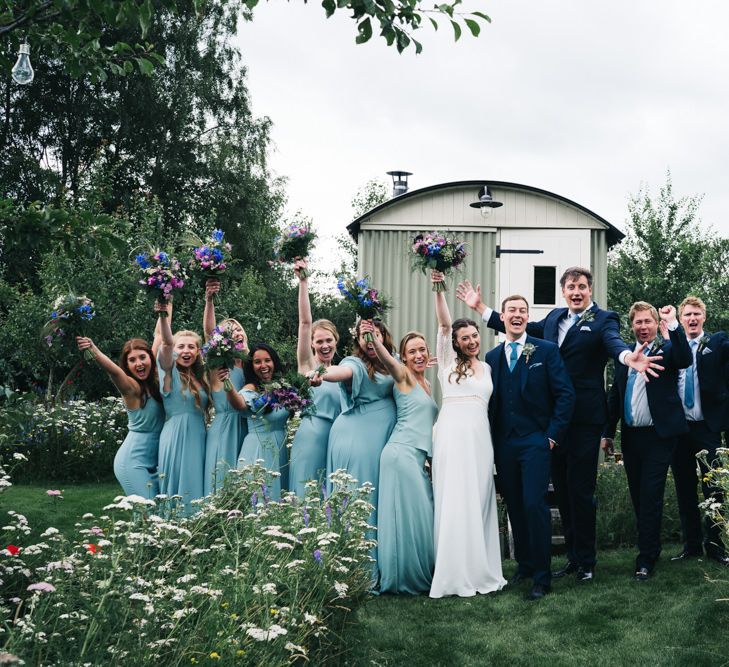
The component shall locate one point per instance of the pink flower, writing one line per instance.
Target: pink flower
(54, 493)
(42, 587)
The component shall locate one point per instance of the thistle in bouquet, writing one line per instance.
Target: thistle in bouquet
(69, 318)
(434, 251)
(210, 259)
(162, 274)
(291, 392)
(295, 242)
(366, 301)
(223, 351)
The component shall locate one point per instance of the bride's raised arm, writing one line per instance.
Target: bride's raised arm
(441, 307)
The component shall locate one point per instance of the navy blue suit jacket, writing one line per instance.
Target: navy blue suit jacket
(662, 391)
(545, 387)
(585, 351)
(711, 364)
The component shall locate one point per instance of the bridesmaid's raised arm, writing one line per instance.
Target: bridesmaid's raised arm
(127, 386)
(304, 356)
(398, 370)
(167, 344)
(441, 307)
(212, 287)
(157, 340)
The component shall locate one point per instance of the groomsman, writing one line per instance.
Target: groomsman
(703, 391)
(529, 411)
(652, 421)
(587, 337)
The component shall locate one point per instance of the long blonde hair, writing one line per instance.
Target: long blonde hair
(198, 370)
(230, 320)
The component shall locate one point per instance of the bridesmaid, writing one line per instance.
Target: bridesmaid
(228, 428)
(368, 415)
(185, 393)
(405, 506)
(266, 437)
(316, 347)
(135, 463)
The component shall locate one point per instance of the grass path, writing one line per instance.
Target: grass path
(673, 619)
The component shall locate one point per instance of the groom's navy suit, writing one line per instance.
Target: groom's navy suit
(707, 418)
(585, 350)
(647, 449)
(530, 405)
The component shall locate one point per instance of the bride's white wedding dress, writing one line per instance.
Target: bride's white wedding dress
(467, 556)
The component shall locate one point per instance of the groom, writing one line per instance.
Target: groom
(530, 409)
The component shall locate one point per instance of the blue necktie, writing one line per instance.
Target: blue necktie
(514, 357)
(688, 379)
(628, 404)
(575, 317)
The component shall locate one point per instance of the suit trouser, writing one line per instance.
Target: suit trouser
(647, 456)
(522, 463)
(684, 466)
(574, 475)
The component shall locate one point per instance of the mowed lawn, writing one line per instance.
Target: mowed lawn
(673, 619)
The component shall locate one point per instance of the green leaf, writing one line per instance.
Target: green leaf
(145, 16)
(483, 16)
(456, 29)
(145, 66)
(365, 31)
(402, 41)
(329, 7)
(474, 27)
(418, 46)
(446, 9)
(434, 22)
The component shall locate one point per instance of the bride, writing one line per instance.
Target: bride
(467, 558)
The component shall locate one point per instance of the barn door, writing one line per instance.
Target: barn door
(536, 274)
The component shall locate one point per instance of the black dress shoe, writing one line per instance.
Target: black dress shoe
(517, 579)
(641, 574)
(719, 558)
(568, 568)
(687, 555)
(537, 592)
(585, 576)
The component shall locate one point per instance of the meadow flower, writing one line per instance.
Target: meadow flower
(42, 587)
(12, 550)
(54, 493)
(341, 589)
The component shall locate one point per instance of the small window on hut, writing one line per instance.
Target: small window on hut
(545, 285)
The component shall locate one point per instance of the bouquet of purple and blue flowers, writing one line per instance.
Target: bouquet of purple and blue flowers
(291, 392)
(162, 274)
(69, 319)
(295, 242)
(222, 351)
(434, 251)
(210, 259)
(366, 301)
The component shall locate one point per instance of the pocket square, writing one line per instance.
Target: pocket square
(706, 350)
(585, 328)
(539, 363)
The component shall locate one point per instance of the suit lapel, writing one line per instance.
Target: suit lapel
(522, 366)
(551, 332)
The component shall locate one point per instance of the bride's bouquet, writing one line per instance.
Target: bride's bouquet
(291, 392)
(222, 351)
(69, 318)
(295, 242)
(434, 251)
(366, 301)
(161, 275)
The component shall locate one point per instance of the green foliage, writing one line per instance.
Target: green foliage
(717, 508)
(66, 442)
(668, 255)
(246, 580)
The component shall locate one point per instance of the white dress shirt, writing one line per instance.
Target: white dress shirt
(639, 403)
(694, 414)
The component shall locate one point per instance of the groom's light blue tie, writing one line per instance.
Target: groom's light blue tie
(688, 379)
(514, 357)
(628, 404)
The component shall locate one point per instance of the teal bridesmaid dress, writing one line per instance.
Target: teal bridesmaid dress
(182, 442)
(266, 440)
(309, 448)
(360, 432)
(135, 463)
(406, 555)
(225, 437)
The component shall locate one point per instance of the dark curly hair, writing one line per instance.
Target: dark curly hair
(463, 363)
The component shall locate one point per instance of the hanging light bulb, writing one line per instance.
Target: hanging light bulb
(22, 71)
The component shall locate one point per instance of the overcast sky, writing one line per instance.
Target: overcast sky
(587, 100)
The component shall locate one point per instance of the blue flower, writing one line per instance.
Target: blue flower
(317, 555)
(217, 255)
(54, 315)
(142, 260)
(218, 235)
(164, 257)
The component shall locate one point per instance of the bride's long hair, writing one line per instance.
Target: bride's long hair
(463, 363)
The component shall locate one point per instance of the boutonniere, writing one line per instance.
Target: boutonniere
(703, 342)
(656, 346)
(587, 316)
(528, 351)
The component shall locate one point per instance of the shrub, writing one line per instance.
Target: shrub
(245, 580)
(72, 441)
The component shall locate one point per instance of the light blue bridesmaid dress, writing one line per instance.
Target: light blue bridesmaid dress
(135, 463)
(182, 442)
(225, 437)
(406, 555)
(360, 432)
(309, 448)
(266, 440)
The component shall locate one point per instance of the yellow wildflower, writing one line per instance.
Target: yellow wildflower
(215, 655)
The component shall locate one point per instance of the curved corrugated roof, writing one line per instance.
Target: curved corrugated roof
(614, 235)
